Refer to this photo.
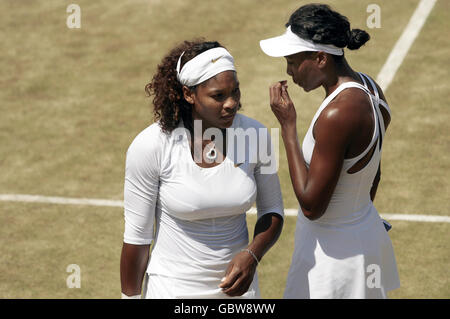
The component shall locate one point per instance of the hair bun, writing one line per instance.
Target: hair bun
(357, 39)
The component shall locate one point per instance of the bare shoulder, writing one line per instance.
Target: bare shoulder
(348, 114)
(351, 105)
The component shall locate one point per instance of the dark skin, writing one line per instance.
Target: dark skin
(215, 102)
(343, 130)
(133, 263)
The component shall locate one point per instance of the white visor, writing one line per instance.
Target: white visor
(204, 66)
(290, 43)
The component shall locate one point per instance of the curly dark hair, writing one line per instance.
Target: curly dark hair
(320, 24)
(169, 103)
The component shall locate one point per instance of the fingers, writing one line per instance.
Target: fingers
(230, 278)
(279, 96)
(281, 104)
(275, 93)
(236, 283)
(239, 287)
(239, 275)
(285, 94)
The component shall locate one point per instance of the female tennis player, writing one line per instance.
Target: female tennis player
(342, 249)
(189, 183)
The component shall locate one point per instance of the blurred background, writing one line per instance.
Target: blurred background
(72, 100)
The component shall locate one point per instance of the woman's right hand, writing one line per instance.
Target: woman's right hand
(239, 275)
(282, 105)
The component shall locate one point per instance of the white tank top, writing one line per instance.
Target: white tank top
(352, 193)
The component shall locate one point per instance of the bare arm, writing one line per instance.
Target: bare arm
(335, 129)
(133, 263)
(314, 187)
(241, 269)
(267, 230)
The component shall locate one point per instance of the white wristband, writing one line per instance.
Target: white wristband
(130, 297)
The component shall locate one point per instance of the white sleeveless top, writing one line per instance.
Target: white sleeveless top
(347, 252)
(352, 192)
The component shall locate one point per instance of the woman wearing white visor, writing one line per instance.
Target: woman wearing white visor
(187, 188)
(342, 248)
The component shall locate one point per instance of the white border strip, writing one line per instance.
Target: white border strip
(404, 43)
(119, 203)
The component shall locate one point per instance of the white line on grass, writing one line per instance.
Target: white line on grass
(60, 200)
(404, 43)
(406, 217)
(119, 203)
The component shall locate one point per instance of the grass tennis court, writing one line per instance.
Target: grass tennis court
(72, 100)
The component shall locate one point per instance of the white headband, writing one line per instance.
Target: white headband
(204, 66)
(290, 43)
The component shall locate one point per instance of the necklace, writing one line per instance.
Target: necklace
(212, 153)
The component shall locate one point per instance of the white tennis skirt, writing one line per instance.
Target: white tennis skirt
(162, 287)
(342, 261)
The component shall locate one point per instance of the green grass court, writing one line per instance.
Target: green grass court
(72, 100)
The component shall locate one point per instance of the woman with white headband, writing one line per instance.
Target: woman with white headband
(187, 190)
(342, 248)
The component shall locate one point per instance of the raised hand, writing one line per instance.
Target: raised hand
(282, 105)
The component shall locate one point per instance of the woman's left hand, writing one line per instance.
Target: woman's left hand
(282, 105)
(239, 274)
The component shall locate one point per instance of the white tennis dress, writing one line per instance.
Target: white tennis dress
(198, 213)
(346, 253)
